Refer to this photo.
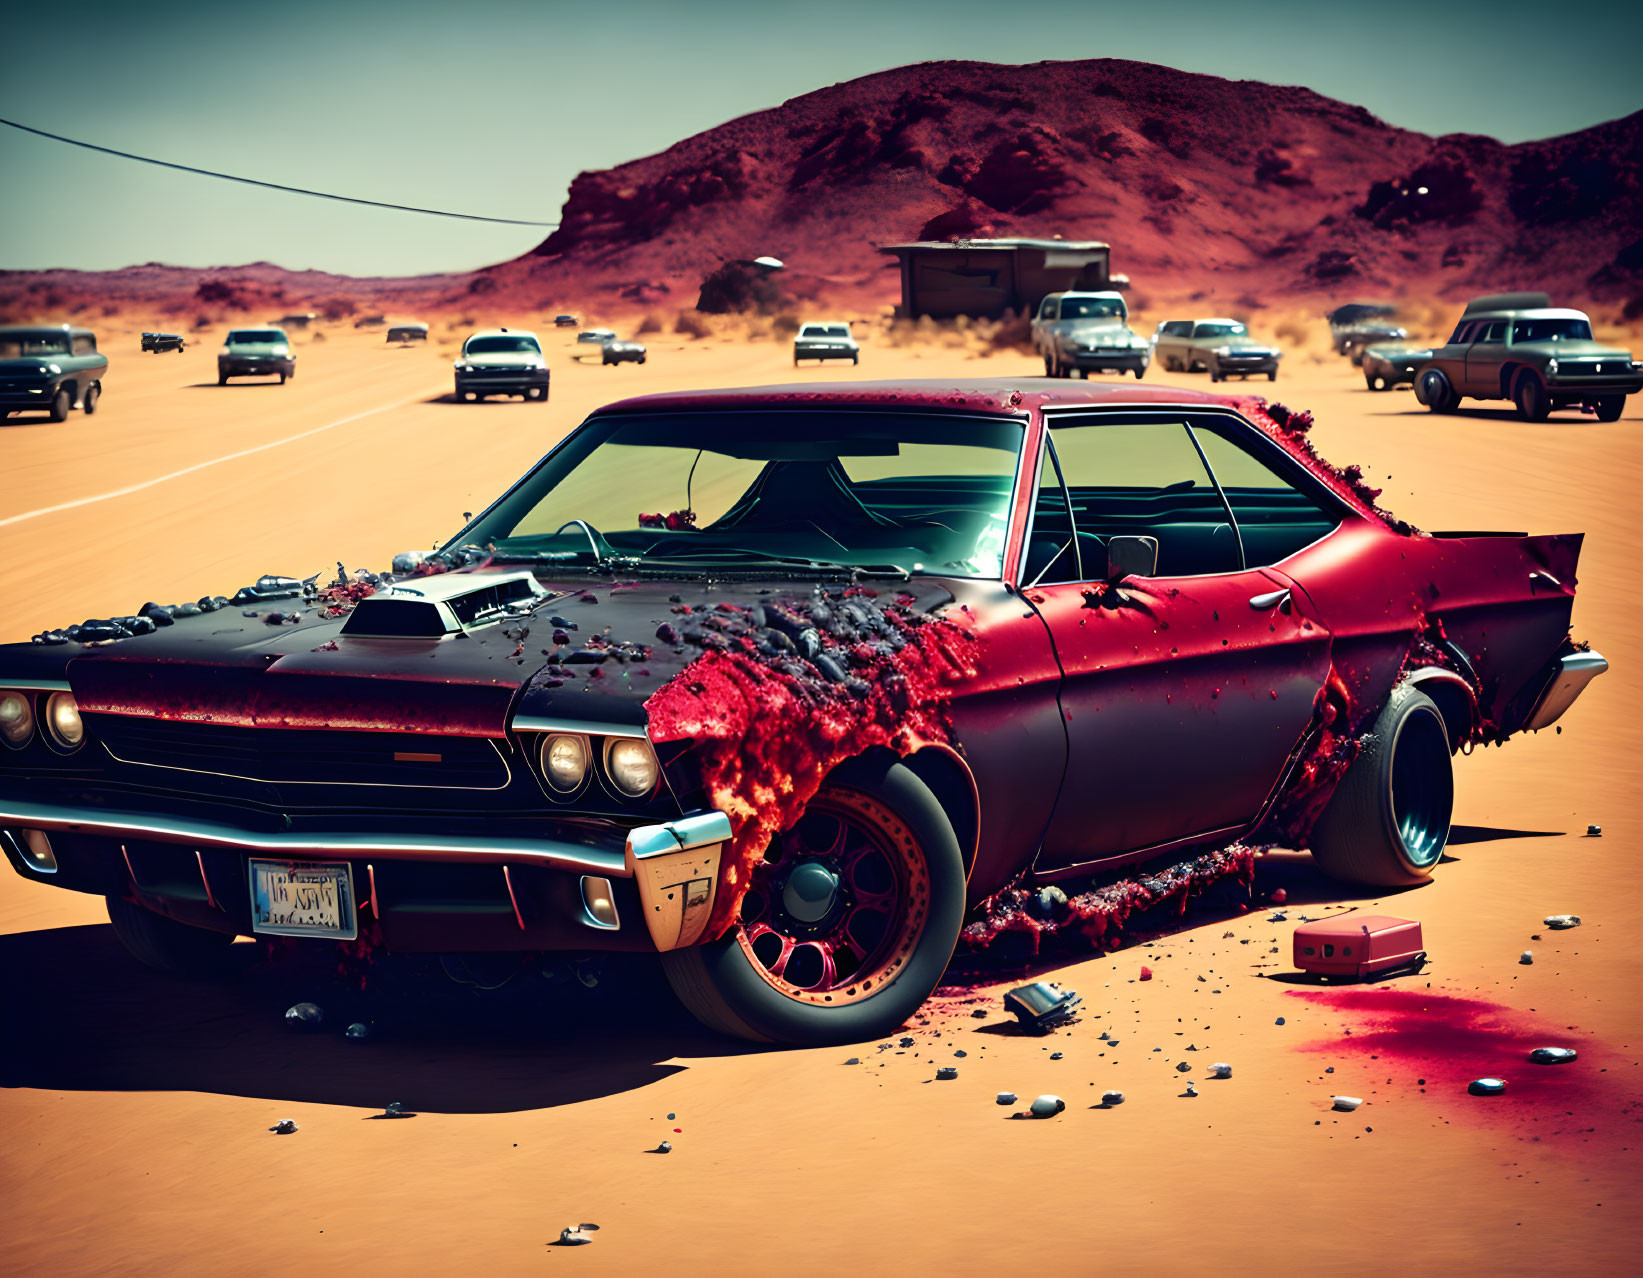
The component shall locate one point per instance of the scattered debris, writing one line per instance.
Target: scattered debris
(1526, 958)
(359, 1029)
(1594, 831)
(1006, 1098)
(305, 1015)
(854, 1060)
(1146, 973)
(283, 1128)
(1047, 1106)
(395, 1110)
(1279, 1021)
(1182, 1067)
(1486, 1087)
(1561, 922)
(1112, 1098)
(1553, 1055)
(576, 1235)
(1055, 1056)
(980, 1014)
(666, 1147)
(1279, 896)
(905, 1042)
(1346, 1104)
(1043, 1006)
(1192, 1089)
(947, 1073)
(1220, 1070)
(1358, 946)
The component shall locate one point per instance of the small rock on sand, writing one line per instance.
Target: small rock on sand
(1006, 1098)
(1346, 1104)
(1526, 958)
(1553, 1055)
(283, 1128)
(304, 1015)
(1112, 1098)
(1047, 1106)
(1561, 922)
(947, 1073)
(1486, 1087)
(1220, 1070)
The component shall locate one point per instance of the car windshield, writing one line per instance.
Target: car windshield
(825, 330)
(247, 336)
(699, 493)
(22, 345)
(1220, 330)
(1552, 330)
(1092, 308)
(504, 345)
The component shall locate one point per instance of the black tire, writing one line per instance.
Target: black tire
(61, 403)
(1271, 377)
(854, 360)
(728, 989)
(1610, 407)
(170, 946)
(1434, 390)
(88, 401)
(1388, 820)
(282, 379)
(1140, 371)
(1530, 396)
(291, 373)
(1049, 367)
(222, 379)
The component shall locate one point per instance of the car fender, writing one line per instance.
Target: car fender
(941, 768)
(1455, 697)
(1509, 374)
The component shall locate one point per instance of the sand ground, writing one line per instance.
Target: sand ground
(136, 1110)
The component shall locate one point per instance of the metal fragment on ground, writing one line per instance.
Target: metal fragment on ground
(1561, 922)
(304, 1015)
(1042, 1005)
(1526, 958)
(1006, 1098)
(1346, 1104)
(1112, 1098)
(1486, 1086)
(1220, 1070)
(284, 1127)
(359, 1029)
(1046, 1106)
(666, 1147)
(1553, 1055)
(947, 1073)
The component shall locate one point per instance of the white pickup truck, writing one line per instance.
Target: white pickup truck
(1088, 333)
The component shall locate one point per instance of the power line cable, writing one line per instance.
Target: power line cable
(272, 186)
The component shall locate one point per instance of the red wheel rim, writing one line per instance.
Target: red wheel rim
(837, 947)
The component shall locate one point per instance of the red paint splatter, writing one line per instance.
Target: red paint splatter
(768, 723)
(674, 521)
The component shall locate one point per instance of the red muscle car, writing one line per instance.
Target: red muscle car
(782, 683)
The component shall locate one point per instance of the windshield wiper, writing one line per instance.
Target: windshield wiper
(734, 558)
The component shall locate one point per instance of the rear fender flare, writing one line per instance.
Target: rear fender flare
(1455, 698)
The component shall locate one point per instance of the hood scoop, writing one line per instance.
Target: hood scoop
(447, 604)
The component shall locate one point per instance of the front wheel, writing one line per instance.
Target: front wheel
(1432, 388)
(1388, 820)
(168, 945)
(1608, 408)
(1529, 394)
(1140, 371)
(61, 402)
(1272, 377)
(850, 921)
(282, 379)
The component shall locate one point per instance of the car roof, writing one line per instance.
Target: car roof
(500, 332)
(1003, 396)
(808, 323)
(1539, 312)
(1217, 319)
(1079, 292)
(73, 330)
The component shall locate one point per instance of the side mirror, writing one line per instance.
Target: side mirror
(1131, 557)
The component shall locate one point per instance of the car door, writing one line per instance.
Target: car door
(1484, 358)
(1450, 359)
(1187, 690)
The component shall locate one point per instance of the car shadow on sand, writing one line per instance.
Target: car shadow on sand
(1509, 415)
(81, 1014)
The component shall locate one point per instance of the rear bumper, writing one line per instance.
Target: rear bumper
(1569, 676)
(808, 352)
(437, 893)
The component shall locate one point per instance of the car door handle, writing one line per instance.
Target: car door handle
(1279, 599)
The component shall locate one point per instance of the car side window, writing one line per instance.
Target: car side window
(1495, 332)
(1274, 517)
(85, 344)
(1127, 478)
(1046, 309)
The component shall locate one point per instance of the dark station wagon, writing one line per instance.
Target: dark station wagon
(51, 369)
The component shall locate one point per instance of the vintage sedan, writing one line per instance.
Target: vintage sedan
(503, 362)
(1221, 347)
(50, 368)
(1390, 364)
(158, 343)
(779, 683)
(256, 352)
(1088, 333)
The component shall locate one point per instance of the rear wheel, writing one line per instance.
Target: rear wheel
(168, 945)
(1610, 407)
(88, 402)
(849, 924)
(222, 379)
(1529, 394)
(1388, 820)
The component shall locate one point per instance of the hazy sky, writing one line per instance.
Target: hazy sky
(493, 107)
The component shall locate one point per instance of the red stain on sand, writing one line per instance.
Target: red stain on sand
(1448, 1041)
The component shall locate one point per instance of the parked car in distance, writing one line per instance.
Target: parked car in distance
(298, 319)
(157, 342)
(1359, 324)
(404, 334)
(50, 368)
(853, 691)
(1518, 346)
(502, 362)
(1088, 333)
(616, 351)
(256, 352)
(1219, 346)
(589, 338)
(565, 321)
(370, 321)
(825, 340)
(1386, 365)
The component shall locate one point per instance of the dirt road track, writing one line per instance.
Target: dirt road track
(136, 1109)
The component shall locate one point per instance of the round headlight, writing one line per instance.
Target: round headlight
(16, 717)
(63, 721)
(631, 766)
(564, 759)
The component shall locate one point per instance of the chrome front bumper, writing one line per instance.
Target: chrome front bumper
(1570, 675)
(675, 864)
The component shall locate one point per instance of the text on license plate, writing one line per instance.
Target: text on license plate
(303, 898)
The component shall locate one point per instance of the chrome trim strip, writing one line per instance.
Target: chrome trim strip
(683, 835)
(36, 685)
(543, 723)
(588, 916)
(1574, 671)
(549, 852)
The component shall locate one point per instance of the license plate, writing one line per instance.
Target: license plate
(303, 898)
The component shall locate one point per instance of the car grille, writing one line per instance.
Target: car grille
(278, 755)
(491, 370)
(1592, 367)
